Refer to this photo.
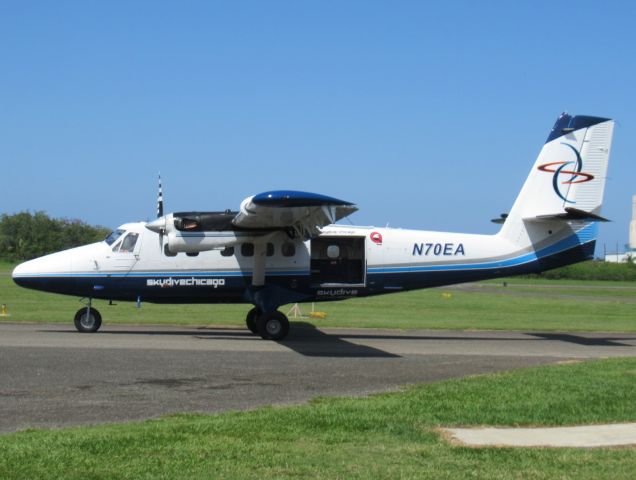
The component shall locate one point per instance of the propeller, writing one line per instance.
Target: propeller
(159, 225)
(160, 200)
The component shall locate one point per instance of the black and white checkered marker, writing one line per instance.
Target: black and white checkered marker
(160, 200)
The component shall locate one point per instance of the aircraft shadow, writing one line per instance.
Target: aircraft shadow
(307, 340)
(304, 339)
(562, 337)
(586, 341)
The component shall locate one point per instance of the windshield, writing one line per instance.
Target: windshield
(110, 239)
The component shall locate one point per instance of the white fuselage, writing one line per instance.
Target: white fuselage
(344, 261)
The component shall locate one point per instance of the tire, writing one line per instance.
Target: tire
(252, 317)
(90, 323)
(273, 326)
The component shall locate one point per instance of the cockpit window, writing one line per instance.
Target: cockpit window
(128, 245)
(110, 239)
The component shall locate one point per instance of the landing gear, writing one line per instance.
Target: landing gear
(251, 318)
(270, 323)
(273, 326)
(88, 320)
(270, 326)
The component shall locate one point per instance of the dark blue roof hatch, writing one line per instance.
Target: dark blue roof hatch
(291, 198)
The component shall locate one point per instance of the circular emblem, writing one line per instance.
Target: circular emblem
(574, 174)
(376, 237)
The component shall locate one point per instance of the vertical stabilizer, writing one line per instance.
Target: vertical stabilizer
(567, 180)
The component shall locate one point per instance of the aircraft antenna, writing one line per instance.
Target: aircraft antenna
(160, 200)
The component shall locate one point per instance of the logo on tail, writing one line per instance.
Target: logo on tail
(558, 168)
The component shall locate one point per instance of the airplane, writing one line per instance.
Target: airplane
(282, 247)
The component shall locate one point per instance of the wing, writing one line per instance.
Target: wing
(301, 212)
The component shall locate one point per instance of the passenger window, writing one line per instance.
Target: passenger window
(247, 249)
(129, 242)
(288, 249)
(270, 249)
(227, 252)
(333, 251)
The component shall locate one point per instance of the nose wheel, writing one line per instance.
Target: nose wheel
(88, 320)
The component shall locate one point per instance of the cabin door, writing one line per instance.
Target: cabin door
(338, 261)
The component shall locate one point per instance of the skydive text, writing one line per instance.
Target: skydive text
(185, 282)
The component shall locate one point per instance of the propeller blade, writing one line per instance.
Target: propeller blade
(160, 200)
(159, 225)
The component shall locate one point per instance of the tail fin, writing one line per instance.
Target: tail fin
(567, 181)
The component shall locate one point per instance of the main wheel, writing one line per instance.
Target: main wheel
(251, 318)
(88, 322)
(273, 326)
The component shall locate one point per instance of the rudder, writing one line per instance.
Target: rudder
(567, 181)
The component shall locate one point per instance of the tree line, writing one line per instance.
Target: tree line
(27, 235)
(594, 270)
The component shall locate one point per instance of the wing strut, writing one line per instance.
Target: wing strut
(258, 273)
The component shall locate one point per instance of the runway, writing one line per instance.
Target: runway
(52, 376)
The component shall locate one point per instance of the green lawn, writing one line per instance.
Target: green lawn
(525, 304)
(382, 436)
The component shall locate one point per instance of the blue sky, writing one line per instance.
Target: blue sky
(427, 115)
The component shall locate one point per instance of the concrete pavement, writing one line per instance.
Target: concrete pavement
(52, 376)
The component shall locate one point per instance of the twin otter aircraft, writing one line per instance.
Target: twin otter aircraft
(284, 247)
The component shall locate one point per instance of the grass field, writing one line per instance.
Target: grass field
(382, 436)
(525, 304)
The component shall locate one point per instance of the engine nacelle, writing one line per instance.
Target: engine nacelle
(193, 232)
(254, 214)
(195, 242)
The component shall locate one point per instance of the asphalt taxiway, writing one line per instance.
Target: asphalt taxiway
(52, 376)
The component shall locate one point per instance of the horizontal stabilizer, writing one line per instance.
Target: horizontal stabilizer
(570, 214)
(501, 219)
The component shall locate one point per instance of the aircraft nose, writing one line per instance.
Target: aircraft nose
(21, 270)
(40, 272)
(24, 272)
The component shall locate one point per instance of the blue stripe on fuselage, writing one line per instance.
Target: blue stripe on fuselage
(583, 236)
(130, 285)
(146, 274)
